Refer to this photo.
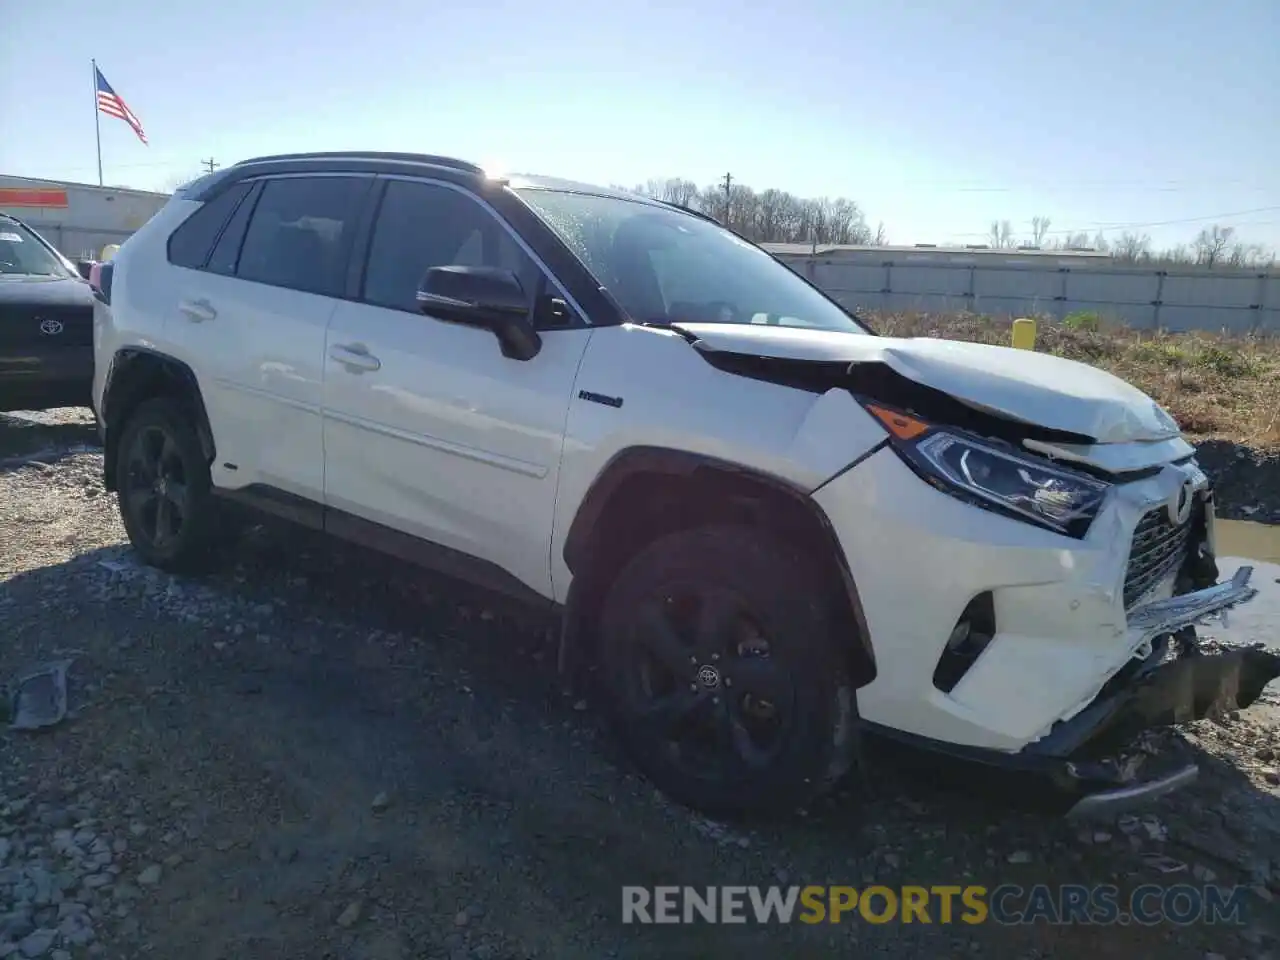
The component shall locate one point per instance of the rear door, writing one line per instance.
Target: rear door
(251, 321)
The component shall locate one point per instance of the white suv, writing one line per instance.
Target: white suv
(766, 529)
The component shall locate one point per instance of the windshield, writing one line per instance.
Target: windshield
(667, 266)
(22, 252)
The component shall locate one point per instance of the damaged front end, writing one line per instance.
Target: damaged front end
(1118, 749)
(1099, 755)
(1094, 650)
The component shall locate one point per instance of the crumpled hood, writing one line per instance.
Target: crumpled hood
(1023, 385)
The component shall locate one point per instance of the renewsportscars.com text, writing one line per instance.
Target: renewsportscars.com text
(1102, 904)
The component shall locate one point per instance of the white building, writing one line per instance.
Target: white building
(78, 218)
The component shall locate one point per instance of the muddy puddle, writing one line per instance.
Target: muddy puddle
(1242, 543)
(1242, 538)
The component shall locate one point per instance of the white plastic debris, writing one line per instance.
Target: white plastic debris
(39, 697)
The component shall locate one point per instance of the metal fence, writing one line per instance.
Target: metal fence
(1171, 298)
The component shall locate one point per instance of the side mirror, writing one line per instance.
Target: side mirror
(486, 297)
(83, 267)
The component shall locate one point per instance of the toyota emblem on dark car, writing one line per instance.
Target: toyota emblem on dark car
(50, 327)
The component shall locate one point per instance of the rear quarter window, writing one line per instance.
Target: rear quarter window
(191, 243)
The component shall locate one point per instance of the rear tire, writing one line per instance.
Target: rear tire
(165, 492)
(727, 685)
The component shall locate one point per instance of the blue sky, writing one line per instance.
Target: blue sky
(937, 116)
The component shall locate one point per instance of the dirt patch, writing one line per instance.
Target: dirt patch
(318, 752)
(1246, 480)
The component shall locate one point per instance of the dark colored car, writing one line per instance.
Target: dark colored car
(46, 324)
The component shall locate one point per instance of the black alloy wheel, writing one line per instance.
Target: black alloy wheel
(166, 501)
(725, 681)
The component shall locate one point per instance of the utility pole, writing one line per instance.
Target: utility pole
(728, 182)
(210, 165)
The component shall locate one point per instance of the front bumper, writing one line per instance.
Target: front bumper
(1096, 759)
(1069, 673)
(918, 557)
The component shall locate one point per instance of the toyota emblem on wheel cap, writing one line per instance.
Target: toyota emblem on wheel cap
(50, 327)
(708, 676)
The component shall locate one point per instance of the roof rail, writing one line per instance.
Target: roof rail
(427, 158)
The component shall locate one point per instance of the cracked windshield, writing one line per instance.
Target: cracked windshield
(639, 483)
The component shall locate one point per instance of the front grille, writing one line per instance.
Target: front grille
(22, 324)
(1158, 549)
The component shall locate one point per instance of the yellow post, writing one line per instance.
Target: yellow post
(1024, 333)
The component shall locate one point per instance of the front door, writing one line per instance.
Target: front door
(428, 428)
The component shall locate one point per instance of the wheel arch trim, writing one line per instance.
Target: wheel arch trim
(638, 460)
(117, 397)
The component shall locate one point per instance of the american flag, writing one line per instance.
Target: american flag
(109, 102)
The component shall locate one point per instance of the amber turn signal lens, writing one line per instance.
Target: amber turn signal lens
(899, 424)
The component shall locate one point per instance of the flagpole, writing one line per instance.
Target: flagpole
(97, 119)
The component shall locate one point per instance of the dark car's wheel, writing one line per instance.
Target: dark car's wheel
(166, 500)
(728, 688)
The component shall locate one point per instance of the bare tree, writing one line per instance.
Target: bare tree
(1211, 242)
(1075, 241)
(1244, 255)
(1000, 235)
(1132, 248)
(671, 190)
(778, 216)
(1039, 229)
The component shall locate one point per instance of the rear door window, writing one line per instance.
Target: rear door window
(300, 233)
(226, 253)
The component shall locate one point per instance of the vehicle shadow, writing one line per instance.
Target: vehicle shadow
(344, 670)
(24, 440)
(513, 652)
(1226, 820)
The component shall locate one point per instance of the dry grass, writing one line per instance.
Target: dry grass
(1216, 385)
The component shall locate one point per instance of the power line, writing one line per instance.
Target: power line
(1169, 223)
(210, 165)
(1105, 226)
(1063, 187)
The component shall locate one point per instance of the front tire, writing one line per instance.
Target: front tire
(727, 685)
(165, 491)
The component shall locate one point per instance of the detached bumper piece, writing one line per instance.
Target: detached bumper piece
(1170, 616)
(1177, 683)
(1190, 685)
(1112, 755)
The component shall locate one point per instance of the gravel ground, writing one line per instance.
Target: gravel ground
(317, 753)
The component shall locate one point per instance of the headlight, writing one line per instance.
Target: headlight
(995, 477)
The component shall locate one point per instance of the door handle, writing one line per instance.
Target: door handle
(355, 357)
(198, 311)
